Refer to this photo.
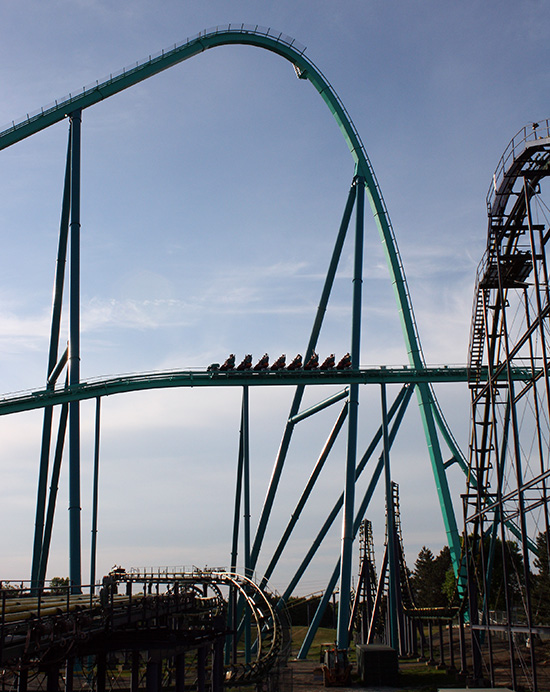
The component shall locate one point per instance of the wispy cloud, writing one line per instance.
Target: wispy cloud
(20, 333)
(136, 314)
(266, 289)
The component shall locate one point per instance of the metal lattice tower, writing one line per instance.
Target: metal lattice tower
(506, 505)
(365, 595)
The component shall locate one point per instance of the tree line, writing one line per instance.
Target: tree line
(433, 581)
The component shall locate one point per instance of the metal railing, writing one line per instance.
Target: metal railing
(66, 100)
(529, 133)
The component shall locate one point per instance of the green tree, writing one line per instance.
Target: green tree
(302, 610)
(503, 564)
(429, 578)
(443, 566)
(422, 578)
(58, 585)
(513, 562)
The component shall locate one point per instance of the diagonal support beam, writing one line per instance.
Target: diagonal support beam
(295, 407)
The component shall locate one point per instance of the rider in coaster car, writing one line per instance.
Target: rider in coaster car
(296, 363)
(263, 363)
(246, 363)
(313, 362)
(328, 363)
(229, 363)
(345, 363)
(280, 363)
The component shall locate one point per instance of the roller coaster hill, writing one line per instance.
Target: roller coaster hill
(211, 627)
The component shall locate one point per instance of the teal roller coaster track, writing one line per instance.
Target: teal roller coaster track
(416, 374)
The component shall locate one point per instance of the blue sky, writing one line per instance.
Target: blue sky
(211, 198)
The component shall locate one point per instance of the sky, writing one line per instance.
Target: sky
(211, 199)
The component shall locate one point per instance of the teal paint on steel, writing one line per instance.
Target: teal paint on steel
(52, 360)
(398, 407)
(319, 407)
(54, 486)
(305, 495)
(318, 616)
(237, 505)
(457, 455)
(41, 496)
(425, 397)
(231, 642)
(297, 399)
(39, 398)
(75, 557)
(342, 639)
(246, 502)
(390, 532)
(95, 496)
(283, 46)
(305, 69)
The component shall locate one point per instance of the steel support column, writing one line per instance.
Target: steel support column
(427, 408)
(237, 506)
(398, 408)
(95, 495)
(22, 680)
(217, 666)
(101, 672)
(134, 679)
(180, 672)
(201, 669)
(69, 674)
(75, 570)
(231, 640)
(52, 361)
(402, 399)
(246, 503)
(349, 487)
(305, 495)
(52, 678)
(54, 486)
(295, 406)
(393, 569)
(153, 673)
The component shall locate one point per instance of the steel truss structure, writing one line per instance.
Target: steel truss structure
(180, 620)
(506, 504)
(66, 392)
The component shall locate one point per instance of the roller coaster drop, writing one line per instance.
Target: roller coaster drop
(485, 379)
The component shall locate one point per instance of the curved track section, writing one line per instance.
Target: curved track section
(506, 507)
(305, 69)
(287, 48)
(38, 628)
(267, 631)
(432, 417)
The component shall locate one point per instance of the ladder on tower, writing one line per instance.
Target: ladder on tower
(477, 336)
